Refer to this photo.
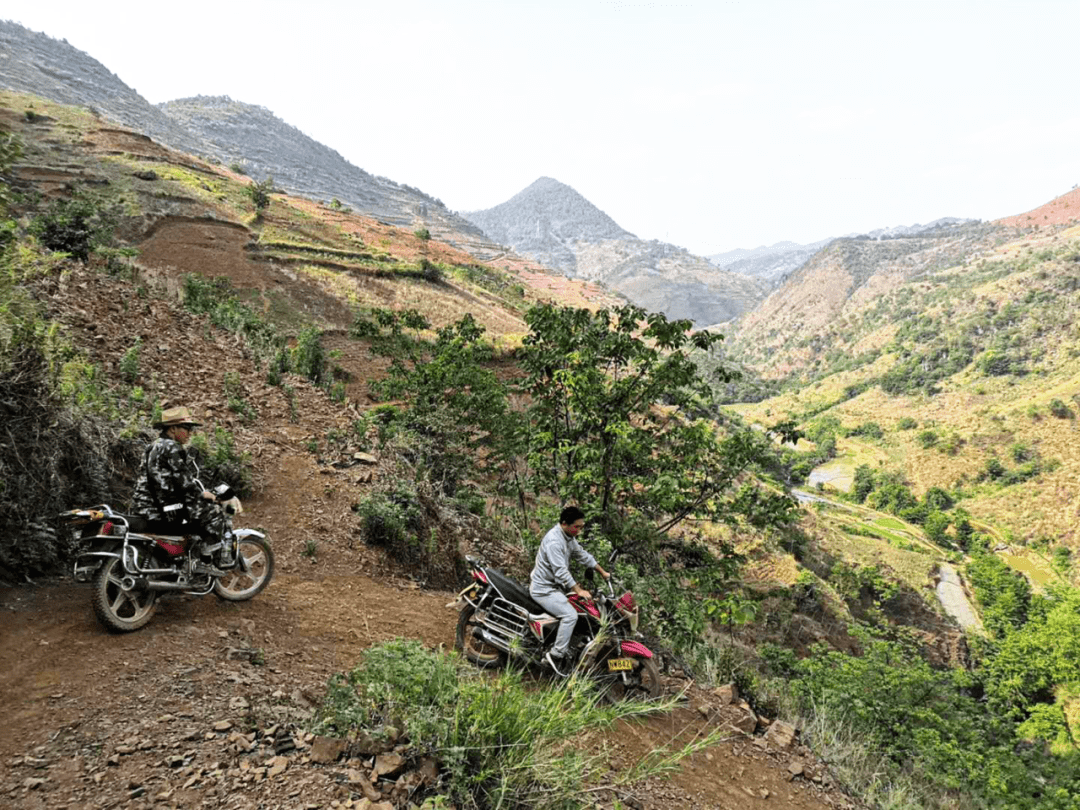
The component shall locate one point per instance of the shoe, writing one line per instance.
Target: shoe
(556, 664)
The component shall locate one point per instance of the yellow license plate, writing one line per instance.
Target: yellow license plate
(620, 664)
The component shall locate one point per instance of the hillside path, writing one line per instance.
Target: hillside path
(117, 720)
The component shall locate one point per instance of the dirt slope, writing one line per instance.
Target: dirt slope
(96, 721)
(1059, 211)
(76, 698)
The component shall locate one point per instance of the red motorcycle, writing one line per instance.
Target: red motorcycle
(499, 619)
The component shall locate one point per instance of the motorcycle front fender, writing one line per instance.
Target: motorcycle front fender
(471, 594)
(249, 533)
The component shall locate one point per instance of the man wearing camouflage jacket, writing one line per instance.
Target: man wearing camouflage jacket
(167, 489)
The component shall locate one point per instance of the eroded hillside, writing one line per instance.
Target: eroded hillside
(195, 303)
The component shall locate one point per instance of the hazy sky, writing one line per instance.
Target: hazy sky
(712, 125)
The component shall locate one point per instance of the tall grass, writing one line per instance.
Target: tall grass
(502, 742)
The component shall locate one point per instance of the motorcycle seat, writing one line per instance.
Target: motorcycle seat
(144, 525)
(513, 592)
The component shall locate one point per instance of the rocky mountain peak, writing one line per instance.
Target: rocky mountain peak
(552, 223)
(543, 220)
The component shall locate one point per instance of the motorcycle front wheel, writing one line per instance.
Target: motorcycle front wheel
(476, 650)
(119, 610)
(641, 683)
(244, 582)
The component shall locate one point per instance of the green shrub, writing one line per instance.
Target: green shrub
(1061, 410)
(129, 363)
(936, 525)
(429, 271)
(938, 499)
(891, 494)
(220, 462)
(863, 483)
(906, 423)
(1004, 595)
(392, 520)
(75, 226)
(235, 397)
(927, 439)
(951, 444)
(308, 357)
(871, 430)
(1062, 559)
(423, 233)
(993, 470)
(215, 298)
(997, 364)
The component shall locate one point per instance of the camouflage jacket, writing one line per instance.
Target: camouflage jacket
(166, 489)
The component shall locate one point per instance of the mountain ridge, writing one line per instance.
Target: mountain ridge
(32, 62)
(554, 224)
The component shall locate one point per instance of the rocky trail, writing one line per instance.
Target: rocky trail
(209, 706)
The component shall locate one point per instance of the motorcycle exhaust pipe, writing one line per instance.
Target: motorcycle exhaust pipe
(494, 641)
(155, 585)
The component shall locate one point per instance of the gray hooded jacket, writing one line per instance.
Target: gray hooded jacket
(551, 574)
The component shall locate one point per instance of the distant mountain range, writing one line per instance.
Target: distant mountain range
(229, 131)
(553, 224)
(548, 221)
(773, 263)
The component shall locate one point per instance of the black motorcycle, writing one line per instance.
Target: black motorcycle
(130, 561)
(500, 619)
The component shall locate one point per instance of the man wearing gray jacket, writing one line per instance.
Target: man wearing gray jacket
(551, 579)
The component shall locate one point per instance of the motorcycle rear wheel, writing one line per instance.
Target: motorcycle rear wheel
(239, 585)
(476, 651)
(119, 610)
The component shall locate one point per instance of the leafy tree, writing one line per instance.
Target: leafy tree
(618, 422)
(1004, 594)
(935, 526)
(863, 483)
(892, 494)
(964, 529)
(458, 411)
(938, 499)
(260, 193)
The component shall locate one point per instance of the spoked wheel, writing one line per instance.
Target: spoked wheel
(640, 683)
(251, 574)
(119, 610)
(476, 650)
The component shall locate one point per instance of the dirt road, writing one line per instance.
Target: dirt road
(164, 718)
